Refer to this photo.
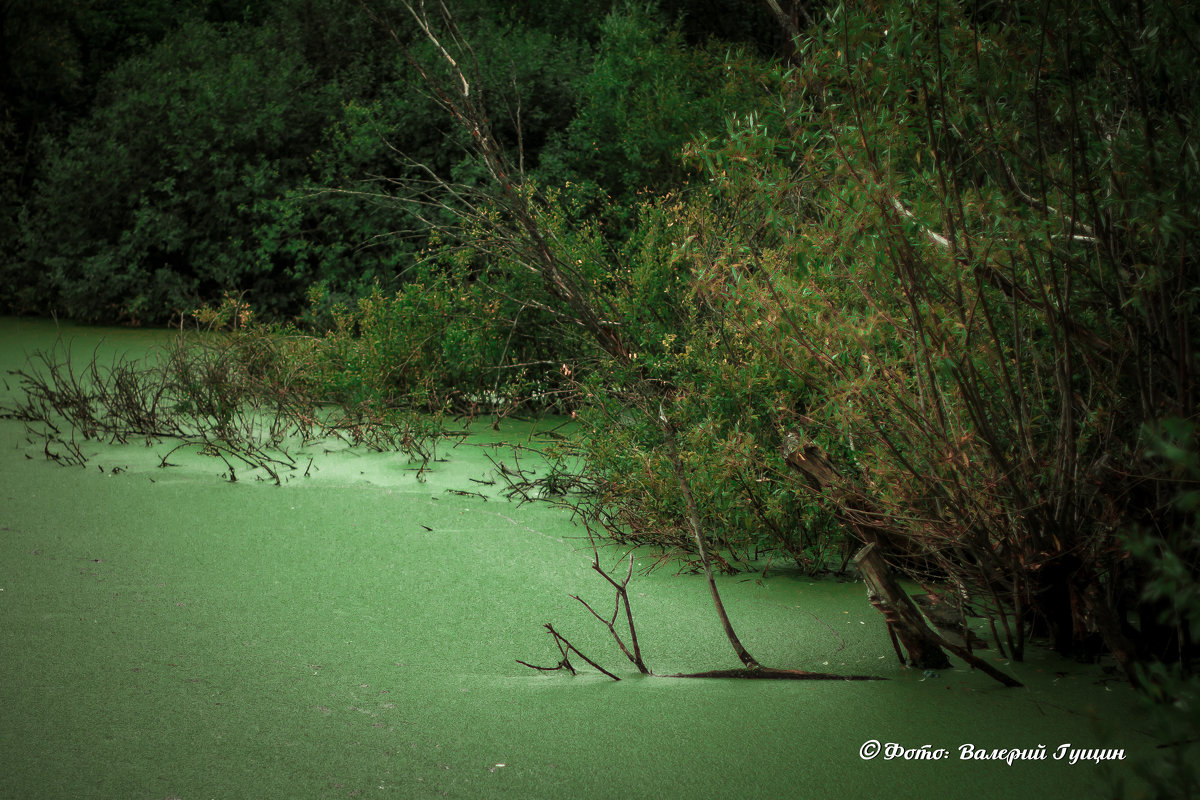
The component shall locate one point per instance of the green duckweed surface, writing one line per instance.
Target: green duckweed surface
(167, 634)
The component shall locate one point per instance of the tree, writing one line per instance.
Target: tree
(510, 215)
(957, 240)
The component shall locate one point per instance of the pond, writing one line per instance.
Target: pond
(355, 633)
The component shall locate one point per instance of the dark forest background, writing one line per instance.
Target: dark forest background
(159, 155)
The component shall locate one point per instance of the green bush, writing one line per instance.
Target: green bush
(647, 94)
(960, 248)
(952, 267)
(150, 203)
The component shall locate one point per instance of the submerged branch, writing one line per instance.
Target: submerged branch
(770, 673)
(236, 399)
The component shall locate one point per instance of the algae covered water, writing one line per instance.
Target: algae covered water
(165, 633)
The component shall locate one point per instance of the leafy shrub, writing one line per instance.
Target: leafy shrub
(149, 204)
(647, 94)
(949, 269)
(924, 234)
(720, 398)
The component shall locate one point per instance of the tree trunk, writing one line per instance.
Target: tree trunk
(902, 615)
(925, 648)
(905, 622)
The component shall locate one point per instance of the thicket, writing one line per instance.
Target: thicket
(933, 293)
(160, 158)
(940, 289)
(245, 395)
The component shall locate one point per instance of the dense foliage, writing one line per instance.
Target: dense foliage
(950, 268)
(159, 158)
(935, 287)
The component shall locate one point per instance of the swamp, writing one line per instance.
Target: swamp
(355, 633)
(626, 398)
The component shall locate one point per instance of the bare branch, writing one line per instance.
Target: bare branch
(422, 21)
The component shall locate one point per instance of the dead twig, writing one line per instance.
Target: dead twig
(565, 648)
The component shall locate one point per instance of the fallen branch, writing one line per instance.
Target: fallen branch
(633, 652)
(565, 647)
(622, 597)
(769, 673)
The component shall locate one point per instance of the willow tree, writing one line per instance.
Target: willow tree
(971, 232)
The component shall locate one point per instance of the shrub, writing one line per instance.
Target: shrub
(150, 203)
(961, 247)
